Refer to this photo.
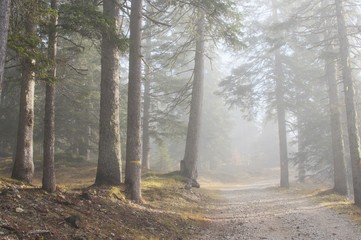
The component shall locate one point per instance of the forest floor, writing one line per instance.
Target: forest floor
(239, 205)
(79, 211)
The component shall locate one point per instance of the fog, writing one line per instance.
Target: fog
(207, 119)
(237, 92)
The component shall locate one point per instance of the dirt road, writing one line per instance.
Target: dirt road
(263, 212)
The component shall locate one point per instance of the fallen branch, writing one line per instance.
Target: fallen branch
(8, 228)
(39, 232)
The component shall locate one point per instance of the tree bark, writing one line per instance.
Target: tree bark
(351, 114)
(133, 150)
(49, 183)
(4, 29)
(189, 163)
(109, 158)
(23, 169)
(281, 111)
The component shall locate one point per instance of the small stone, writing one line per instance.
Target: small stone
(15, 190)
(74, 221)
(19, 210)
(85, 196)
(61, 196)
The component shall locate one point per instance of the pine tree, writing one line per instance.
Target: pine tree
(133, 152)
(23, 163)
(189, 163)
(4, 29)
(48, 182)
(349, 91)
(109, 159)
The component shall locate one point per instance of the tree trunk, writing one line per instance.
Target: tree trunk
(146, 117)
(146, 107)
(340, 180)
(109, 158)
(301, 135)
(49, 183)
(301, 151)
(23, 169)
(133, 151)
(282, 133)
(4, 29)
(84, 144)
(189, 163)
(88, 140)
(281, 111)
(351, 115)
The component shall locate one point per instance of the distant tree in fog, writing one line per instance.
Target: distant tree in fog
(311, 35)
(316, 26)
(213, 21)
(349, 91)
(189, 163)
(280, 89)
(261, 83)
(4, 29)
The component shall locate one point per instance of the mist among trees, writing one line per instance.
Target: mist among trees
(201, 87)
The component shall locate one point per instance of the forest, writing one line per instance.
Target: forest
(190, 119)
